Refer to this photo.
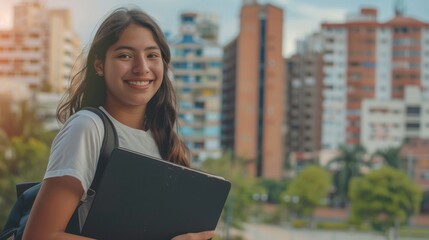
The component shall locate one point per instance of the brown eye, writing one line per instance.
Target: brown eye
(124, 56)
(152, 55)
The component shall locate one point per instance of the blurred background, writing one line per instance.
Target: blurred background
(316, 111)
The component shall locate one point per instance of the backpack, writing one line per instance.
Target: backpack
(27, 192)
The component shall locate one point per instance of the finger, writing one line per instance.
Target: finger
(196, 236)
(207, 235)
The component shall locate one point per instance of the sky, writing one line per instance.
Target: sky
(301, 17)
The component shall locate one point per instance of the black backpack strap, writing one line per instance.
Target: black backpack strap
(19, 214)
(110, 142)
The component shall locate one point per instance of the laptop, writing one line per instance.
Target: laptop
(140, 197)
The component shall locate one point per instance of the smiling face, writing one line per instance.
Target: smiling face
(132, 69)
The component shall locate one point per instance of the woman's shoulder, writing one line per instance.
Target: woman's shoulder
(83, 121)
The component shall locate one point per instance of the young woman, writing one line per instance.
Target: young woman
(126, 76)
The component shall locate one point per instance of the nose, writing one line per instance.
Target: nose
(140, 65)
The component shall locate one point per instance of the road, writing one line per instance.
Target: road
(272, 232)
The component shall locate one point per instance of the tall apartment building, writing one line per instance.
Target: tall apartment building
(254, 88)
(197, 69)
(41, 48)
(368, 59)
(304, 98)
(387, 123)
(415, 154)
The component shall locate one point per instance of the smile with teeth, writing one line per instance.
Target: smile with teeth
(139, 83)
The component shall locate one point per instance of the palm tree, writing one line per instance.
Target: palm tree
(348, 164)
(391, 156)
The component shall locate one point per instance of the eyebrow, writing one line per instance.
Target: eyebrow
(133, 49)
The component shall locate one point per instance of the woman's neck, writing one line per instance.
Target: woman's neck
(132, 117)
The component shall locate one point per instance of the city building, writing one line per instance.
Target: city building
(254, 90)
(46, 105)
(415, 153)
(304, 99)
(368, 59)
(388, 123)
(41, 48)
(197, 69)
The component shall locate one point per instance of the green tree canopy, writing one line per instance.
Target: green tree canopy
(385, 198)
(307, 190)
(242, 187)
(25, 161)
(273, 188)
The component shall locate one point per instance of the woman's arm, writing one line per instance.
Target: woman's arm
(54, 205)
(196, 236)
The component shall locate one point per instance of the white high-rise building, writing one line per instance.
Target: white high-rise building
(368, 59)
(387, 123)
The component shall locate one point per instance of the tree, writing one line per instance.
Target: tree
(21, 122)
(28, 123)
(424, 207)
(273, 188)
(349, 163)
(386, 198)
(242, 187)
(307, 191)
(391, 156)
(25, 161)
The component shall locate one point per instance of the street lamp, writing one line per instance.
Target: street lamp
(259, 198)
(294, 200)
(291, 199)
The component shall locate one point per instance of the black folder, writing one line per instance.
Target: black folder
(140, 197)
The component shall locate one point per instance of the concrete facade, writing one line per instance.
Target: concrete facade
(41, 48)
(304, 98)
(368, 59)
(259, 106)
(197, 69)
(387, 123)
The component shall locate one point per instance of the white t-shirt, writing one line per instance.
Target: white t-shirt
(76, 148)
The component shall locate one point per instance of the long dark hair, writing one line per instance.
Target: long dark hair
(88, 89)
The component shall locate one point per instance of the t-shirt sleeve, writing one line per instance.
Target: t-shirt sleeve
(76, 148)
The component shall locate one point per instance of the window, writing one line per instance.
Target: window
(199, 65)
(187, 38)
(186, 51)
(413, 126)
(368, 65)
(185, 105)
(188, 19)
(413, 110)
(400, 30)
(199, 105)
(186, 131)
(211, 131)
(185, 78)
(355, 76)
(425, 175)
(215, 64)
(179, 65)
(199, 145)
(185, 90)
(354, 64)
